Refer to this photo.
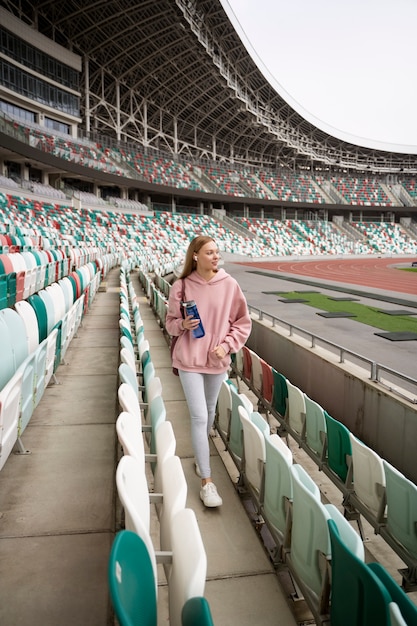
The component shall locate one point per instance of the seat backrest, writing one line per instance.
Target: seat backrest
(7, 361)
(235, 433)
(196, 611)
(58, 299)
(17, 331)
(280, 392)
(315, 425)
(165, 444)
(28, 315)
(51, 314)
(406, 607)
(127, 357)
(368, 476)
(189, 564)
(278, 482)
(133, 490)
(256, 369)
(339, 448)
(238, 358)
(254, 450)
(401, 498)
(131, 581)
(130, 436)
(247, 363)
(358, 597)
(157, 415)
(307, 547)
(126, 343)
(129, 401)
(174, 490)
(296, 408)
(39, 307)
(154, 389)
(224, 407)
(267, 381)
(127, 375)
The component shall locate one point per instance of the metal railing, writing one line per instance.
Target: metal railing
(396, 382)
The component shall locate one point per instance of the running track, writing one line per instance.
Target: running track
(378, 273)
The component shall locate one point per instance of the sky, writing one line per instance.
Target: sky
(349, 67)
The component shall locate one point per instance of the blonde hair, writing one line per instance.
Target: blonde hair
(195, 245)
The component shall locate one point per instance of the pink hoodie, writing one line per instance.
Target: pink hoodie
(224, 314)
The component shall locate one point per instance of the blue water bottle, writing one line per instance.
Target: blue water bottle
(191, 309)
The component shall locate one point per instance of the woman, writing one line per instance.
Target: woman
(202, 363)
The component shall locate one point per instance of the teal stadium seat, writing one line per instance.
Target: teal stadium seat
(280, 393)
(358, 596)
(196, 612)
(338, 448)
(132, 581)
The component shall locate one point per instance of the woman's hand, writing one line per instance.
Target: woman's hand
(219, 352)
(189, 323)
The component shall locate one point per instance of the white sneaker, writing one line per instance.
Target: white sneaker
(209, 495)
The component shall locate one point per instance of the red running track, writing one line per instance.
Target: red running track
(378, 273)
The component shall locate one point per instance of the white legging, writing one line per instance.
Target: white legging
(201, 392)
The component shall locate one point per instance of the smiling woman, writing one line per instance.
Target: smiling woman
(346, 67)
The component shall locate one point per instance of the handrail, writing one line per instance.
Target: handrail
(376, 370)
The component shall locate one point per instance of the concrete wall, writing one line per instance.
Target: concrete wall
(384, 422)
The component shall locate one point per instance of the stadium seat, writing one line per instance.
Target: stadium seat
(337, 448)
(189, 564)
(401, 497)
(196, 611)
(368, 480)
(280, 393)
(315, 428)
(310, 551)
(255, 429)
(278, 491)
(133, 491)
(296, 410)
(165, 444)
(130, 437)
(224, 409)
(358, 595)
(174, 498)
(235, 443)
(132, 581)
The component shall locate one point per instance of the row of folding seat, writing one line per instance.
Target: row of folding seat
(149, 473)
(23, 274)
(34, 337)
(370, 486)
(289, 502)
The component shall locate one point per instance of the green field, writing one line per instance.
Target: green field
(364, 314)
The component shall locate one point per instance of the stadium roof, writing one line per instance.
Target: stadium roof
(174, 75)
